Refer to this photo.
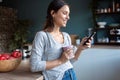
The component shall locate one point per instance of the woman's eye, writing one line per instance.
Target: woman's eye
(64, 13)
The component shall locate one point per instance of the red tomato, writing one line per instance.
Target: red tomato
(3, 58)
(16, 54)
(6, 55)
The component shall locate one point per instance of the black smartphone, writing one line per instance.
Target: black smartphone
(92, 35)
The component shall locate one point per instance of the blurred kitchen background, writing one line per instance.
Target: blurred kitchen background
(102, 16)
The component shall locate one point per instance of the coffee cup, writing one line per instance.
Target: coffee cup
(71, 54)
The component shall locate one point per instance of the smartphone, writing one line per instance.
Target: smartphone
(92, 35)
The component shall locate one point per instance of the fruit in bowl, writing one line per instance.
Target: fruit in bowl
(101, 24)
(10, 61)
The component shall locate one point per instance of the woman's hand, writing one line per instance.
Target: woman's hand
(66, 55)
(82, 47)
(63, 58)
(87, 45)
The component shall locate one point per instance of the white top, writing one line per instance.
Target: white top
(45, 48)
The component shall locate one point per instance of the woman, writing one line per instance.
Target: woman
(47, 52)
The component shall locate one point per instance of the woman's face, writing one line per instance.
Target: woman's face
(61, 17)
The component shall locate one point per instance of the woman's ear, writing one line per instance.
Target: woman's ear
(52, 13)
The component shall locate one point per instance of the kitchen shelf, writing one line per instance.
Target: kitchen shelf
(111, 12)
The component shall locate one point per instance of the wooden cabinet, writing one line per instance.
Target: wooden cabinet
(107, 11)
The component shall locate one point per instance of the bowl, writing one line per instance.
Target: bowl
(101, 24)
(10, 64)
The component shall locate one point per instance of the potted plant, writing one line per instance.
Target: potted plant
(20, 34)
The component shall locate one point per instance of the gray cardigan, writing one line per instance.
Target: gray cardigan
(45, 48)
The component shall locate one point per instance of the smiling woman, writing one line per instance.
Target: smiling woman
(47, 54)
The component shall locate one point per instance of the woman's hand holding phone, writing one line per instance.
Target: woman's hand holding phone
(89, 38)
(86, 41)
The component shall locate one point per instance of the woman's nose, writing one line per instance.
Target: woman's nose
(68, 17)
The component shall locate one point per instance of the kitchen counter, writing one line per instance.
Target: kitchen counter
(22, 72)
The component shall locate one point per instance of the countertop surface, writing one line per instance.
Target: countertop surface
(22, 72)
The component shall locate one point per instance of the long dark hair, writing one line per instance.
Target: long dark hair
(55, 5)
